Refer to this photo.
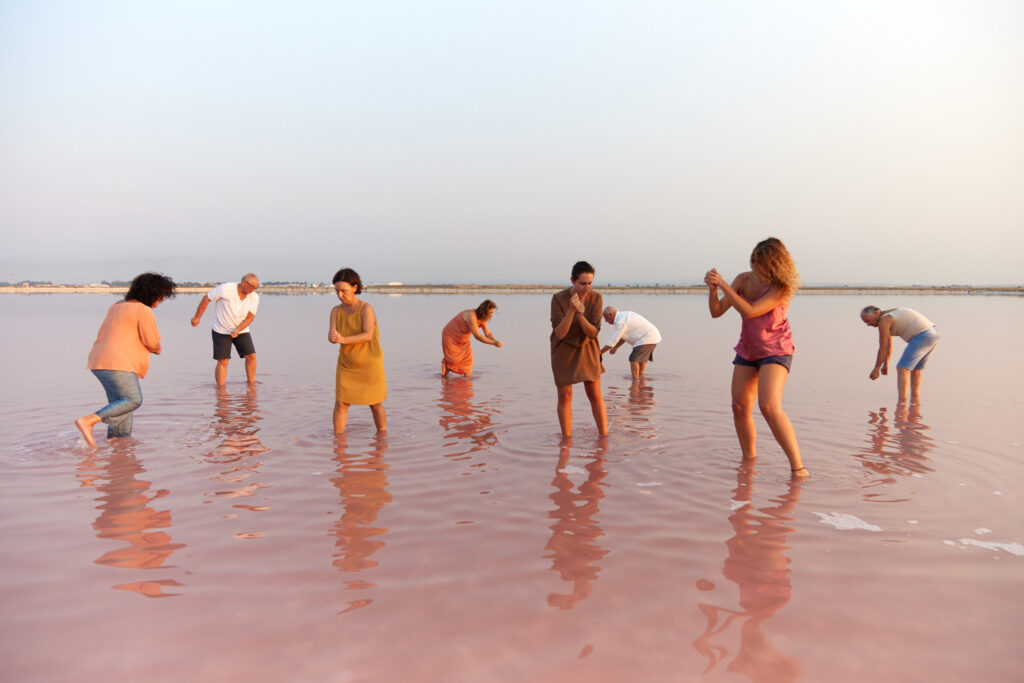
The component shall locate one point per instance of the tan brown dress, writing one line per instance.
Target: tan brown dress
(577, 357)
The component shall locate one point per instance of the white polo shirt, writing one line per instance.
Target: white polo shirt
(634, 328)
(229, 309)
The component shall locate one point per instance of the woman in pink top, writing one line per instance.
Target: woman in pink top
(120, 354)
(765, 350)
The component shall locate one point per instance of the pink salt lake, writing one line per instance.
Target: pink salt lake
(232, 538)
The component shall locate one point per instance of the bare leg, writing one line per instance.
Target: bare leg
(340, 417)
(380, 418)
(593, 390)
(444, 368)
(220, 372)
(744, 391)
(565, 409)
(915, 386)
(643, 368)
(771, 383)
(902, 383)
(634, 369)
(85, 425)
(250, 368)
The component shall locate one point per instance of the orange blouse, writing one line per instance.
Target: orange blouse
(126, 338)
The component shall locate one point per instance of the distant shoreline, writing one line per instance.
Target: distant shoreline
(545, 289)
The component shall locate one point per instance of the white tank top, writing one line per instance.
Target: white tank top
(908, 323)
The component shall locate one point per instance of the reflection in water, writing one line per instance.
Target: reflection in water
(758, 565)
(126, 516)
(362, 482)
(639, 400)
(573, 545)
(468, 427)
(236, 430)
(901, 452)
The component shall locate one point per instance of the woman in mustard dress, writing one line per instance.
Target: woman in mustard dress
(360, 376)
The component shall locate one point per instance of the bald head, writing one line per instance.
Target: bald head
(609, 314)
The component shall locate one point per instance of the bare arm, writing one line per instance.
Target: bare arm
(332, 331)
(716, 306)
(249, 317)
(774, 298)
(884, 347)
(490, 337)
(200, 309)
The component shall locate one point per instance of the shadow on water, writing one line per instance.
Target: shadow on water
(362, 482)
(469, 427)
(897, 448)
(758, 565)
(573, 546)
(236, 427)
(127, 516)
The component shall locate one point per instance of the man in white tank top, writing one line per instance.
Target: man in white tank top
(921, 337)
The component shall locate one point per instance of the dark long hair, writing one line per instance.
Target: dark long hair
(149, 288)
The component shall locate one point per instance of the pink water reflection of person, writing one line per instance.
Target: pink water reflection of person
(765, 351)
(468, 428)
(127, 516)
(362, 482)
(573, 546)
(911, 440)
(757, 563)
(238, 447)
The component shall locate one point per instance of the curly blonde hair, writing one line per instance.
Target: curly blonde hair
(771, 262)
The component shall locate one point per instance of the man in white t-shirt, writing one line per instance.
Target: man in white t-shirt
(635, 329)
(235, 309)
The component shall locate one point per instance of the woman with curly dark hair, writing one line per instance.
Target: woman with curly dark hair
(765, 351)
(120, 354)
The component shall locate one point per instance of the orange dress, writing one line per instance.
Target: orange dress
(455, 345)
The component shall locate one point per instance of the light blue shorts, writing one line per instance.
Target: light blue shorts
(919, 348)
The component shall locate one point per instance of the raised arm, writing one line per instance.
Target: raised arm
(716, 306)
(884, 347)
(774, 298)
(562, 321)
(200, 309)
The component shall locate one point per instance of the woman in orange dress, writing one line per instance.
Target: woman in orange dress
(359, 378)
(458, 354)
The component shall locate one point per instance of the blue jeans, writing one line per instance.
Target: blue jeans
(125, 396)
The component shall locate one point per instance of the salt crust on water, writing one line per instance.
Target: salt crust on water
(845, 522)
(1012, 548)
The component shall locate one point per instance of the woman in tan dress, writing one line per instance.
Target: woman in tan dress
(575, 352)
(359, 379)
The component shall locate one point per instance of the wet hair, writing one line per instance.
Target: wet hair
(869, 309)
(350, 276)
(581, 267)
(484, 309)
(771, 262)
(150, 288)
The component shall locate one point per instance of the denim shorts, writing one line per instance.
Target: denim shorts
(222, 345)
(785, 361)
(918, 350)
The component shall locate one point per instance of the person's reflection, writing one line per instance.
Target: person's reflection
(469, 428)
(126, 516)
(362, 482)
(757, 563)
(901, 452)
(573, 547)
(236, 429)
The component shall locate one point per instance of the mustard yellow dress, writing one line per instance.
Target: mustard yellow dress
(359, 379)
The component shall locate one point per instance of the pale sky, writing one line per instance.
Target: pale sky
(485, 141)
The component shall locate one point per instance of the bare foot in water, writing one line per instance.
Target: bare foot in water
(801, 473)
(444, 368)
(85, 425)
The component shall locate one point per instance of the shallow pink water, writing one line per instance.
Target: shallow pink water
(233, 539)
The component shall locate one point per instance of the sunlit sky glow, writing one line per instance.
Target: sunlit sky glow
(428, 141)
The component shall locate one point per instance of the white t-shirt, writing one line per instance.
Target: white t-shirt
(229, 309)
(634, 328)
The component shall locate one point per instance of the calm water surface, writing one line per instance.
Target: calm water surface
(233, 538)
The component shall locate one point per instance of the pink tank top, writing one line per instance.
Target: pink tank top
(766, 335)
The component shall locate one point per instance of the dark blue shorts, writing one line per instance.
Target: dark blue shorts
(222, 345)
(784, 361)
